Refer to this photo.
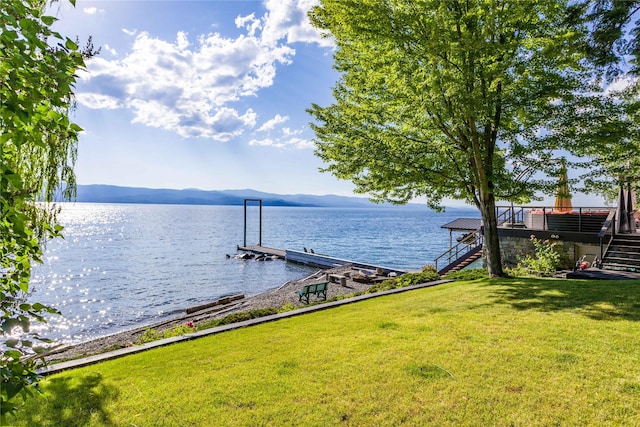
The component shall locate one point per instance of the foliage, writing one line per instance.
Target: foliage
(525, 352)
(602, 131)
(239, 317)
(37, 150)
(614, 39)
(439, 99)
(545, 261)
(407, 279)
(430, 267)
(287, 307)
(468, 274)
(151, 334)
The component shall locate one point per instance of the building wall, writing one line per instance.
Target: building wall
(515, 248)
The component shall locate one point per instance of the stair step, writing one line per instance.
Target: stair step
(623, 254)
(629, 247)
(630, 236)
(622, 261)
(617, 266)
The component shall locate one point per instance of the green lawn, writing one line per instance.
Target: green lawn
(520, 352)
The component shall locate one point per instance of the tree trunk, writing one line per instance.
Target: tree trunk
(491, 239)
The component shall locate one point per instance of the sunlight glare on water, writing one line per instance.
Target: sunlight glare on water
(124, 265)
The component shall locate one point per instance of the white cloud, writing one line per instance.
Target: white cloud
(92, 10)
(264, 142)
(273, 122)
(249, 22)
(97, 101)
(288, 19)
(291, 132)
(301, 143)
(620, 84)
(298, 143)
(186, 88)
(109, 49)
(192, 85)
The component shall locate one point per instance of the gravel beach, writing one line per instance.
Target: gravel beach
(275, 298)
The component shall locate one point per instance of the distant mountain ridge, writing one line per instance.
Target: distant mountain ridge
(114, 194)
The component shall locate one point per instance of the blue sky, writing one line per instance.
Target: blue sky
(202, 94)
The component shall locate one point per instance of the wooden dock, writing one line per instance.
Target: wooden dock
(264, 250)
(317, 260)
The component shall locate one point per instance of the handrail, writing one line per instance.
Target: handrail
(609, 223)
(518, 214)
(474, 240)
(509, 214)
(551, 208)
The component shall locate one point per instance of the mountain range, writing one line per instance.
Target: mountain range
(116, 194)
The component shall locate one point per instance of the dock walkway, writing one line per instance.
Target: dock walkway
(264, 250)
(316, 260)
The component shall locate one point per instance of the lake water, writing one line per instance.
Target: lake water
(126, 265)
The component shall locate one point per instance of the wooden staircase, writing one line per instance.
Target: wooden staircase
(623, 253)
(462, 262)
(461, 255)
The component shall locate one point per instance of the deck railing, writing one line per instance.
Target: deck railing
(607, 229)
(509, 215)
(582, 220)
(470, 243)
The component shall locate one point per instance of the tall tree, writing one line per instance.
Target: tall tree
(37, 151)
(613, 139)
(437, 98)
(607, 126)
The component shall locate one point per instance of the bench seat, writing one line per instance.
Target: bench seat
(317, 289)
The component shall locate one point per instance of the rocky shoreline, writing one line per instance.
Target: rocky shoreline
(274, 298)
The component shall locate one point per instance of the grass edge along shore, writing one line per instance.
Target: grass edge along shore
(268, 305)
(485, 352)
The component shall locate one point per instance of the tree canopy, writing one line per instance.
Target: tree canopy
(447, 98)
(38, 151)
(615, 33)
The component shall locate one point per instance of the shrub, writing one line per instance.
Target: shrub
(239, 317)
(286, 307)
(150, 335)
(545, 261)
(407, 279)
(469, 274)
(429, 268)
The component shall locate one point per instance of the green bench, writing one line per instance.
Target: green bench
(319, 289)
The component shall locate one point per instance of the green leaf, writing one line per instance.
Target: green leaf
(71, 45)
(11, 342)
(12, 354)
(48, 20)
(9, 324)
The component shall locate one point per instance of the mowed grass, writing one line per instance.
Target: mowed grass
(521, 352)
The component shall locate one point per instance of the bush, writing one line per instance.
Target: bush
(407, 279)
(150, 335)
(286, 307)
(240, 317)
(469, 274)
(429, 268)
(544, 263)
